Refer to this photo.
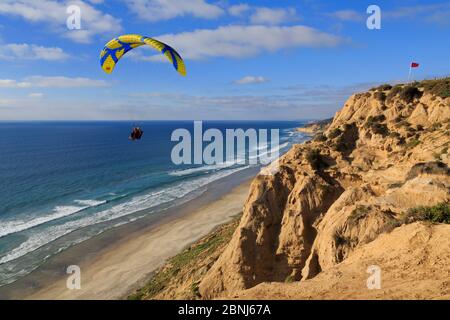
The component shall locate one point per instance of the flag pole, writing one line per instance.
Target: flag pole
(410, 71)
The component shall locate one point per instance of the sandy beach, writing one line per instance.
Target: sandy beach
(125, 265)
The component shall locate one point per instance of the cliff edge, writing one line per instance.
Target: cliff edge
(372, 189)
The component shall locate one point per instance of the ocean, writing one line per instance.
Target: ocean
(63, 183)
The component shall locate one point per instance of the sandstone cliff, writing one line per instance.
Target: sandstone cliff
(344, 201)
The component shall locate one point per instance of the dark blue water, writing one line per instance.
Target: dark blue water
(64, 182)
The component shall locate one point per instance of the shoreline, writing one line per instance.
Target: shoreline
(118, 261)
(107, 272)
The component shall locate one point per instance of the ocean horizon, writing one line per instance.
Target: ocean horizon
(64, 182)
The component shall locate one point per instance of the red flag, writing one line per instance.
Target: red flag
(414, 65)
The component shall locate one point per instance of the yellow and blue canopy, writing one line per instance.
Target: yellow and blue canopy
(118, 47)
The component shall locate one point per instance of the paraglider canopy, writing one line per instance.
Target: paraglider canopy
(118, 47)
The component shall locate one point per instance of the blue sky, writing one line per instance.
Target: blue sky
(284, 60)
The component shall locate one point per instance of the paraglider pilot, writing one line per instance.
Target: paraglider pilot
(136, 134)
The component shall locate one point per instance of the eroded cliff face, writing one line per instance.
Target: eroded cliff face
(413, 261)
(385, 152)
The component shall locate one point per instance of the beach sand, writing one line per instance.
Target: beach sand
(125, 266)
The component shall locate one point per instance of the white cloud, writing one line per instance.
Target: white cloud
(52, 82)
(348, 15)
(53, 12)
(251, 80)
(7, 103)
(36, 95)
(273, 16)
(238, 9)
(289, 105)
(9, 83)
(31, 108)
(157, 10)
(285, 103)
(246, 41)
(432, 13)
(26, 51)
(65, 82)
(147, 54)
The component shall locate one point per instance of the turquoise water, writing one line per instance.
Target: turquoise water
(65, 182)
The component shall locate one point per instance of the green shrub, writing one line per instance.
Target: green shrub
(413, 143)
(409, 93)
(336, 132)
(289, 279)
(398, 119)
(383, 87)
(373, 122)
(195, 290)
(349, 126)
(404, 123)
(340, 239)
(188, 257)
(394, 92)
(438, 87)
(431, 167)
(320, 137)
(380, 96)
(437, 214)
(394, 135)
(340, 146)
(436, 126)
(401, 141)
(380, 128)
(375, 119)
(358, 213)
(315, 159)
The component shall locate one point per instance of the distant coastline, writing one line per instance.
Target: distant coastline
(314, 127)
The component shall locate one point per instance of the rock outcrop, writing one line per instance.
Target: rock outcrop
(338, 203)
